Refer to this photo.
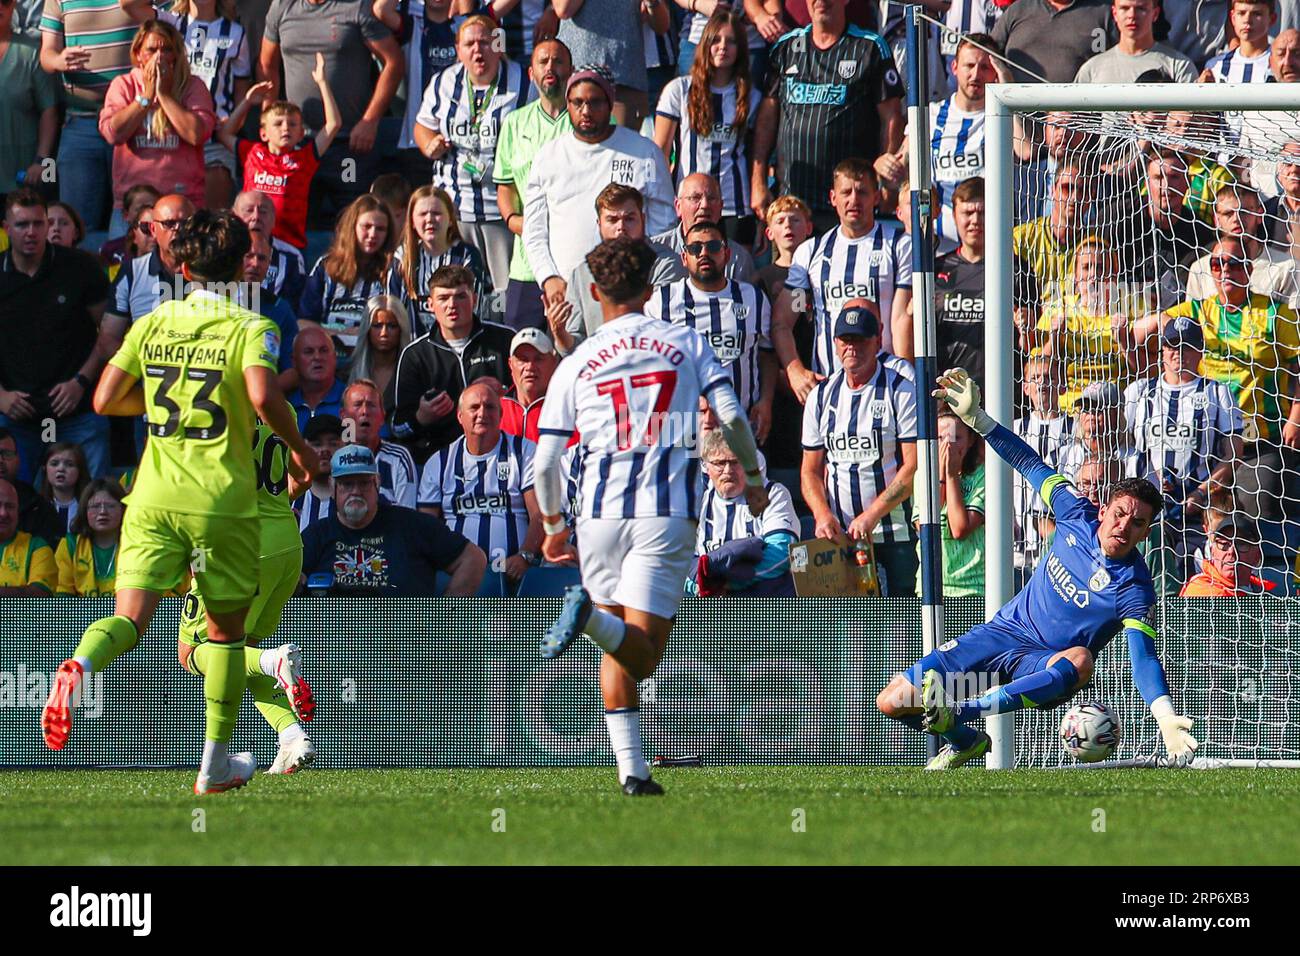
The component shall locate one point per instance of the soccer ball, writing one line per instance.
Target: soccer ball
(1090, 732)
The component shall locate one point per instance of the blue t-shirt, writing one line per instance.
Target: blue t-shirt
(1078, 597)
(329, 405)
(397, 555)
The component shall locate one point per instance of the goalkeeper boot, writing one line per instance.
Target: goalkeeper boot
(636, 787)
(293, 756)
(940, 713)
(56, 718)
(950, 757)
(288, 675)
(239, 770)
(573, 618)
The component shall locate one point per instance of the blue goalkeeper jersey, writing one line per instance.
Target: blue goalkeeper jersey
(1078, 597)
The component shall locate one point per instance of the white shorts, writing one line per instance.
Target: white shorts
(641, 563)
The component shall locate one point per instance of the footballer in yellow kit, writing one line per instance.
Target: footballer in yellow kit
(202, 369)
(278, 689)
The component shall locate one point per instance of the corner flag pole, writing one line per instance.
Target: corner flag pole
(925, 337)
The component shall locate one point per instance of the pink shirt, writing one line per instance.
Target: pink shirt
(170, 165)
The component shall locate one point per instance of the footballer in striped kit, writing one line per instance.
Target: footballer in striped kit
(632, 391)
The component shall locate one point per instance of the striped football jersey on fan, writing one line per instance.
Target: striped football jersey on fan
(1180, 427)
(482, 496)
(632, 390)
(736, 321)
(862, 432)
(1047, 437)
(719, 151)
(957, 149)
(835, 269)
(729, 519)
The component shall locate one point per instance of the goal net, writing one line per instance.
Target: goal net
(1153, 250)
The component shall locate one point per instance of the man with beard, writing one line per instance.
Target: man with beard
(568, 173)
(373, 548)
(362, 414)
(524, 132)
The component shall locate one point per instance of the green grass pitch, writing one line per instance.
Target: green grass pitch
(710, 816)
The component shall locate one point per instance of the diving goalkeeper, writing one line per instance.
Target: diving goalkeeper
(1091, 584)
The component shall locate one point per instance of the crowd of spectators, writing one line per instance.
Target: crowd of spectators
(422, 182)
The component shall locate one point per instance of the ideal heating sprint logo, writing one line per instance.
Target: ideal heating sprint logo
(77, 909)
(21, 688)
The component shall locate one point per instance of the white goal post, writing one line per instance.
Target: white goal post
(1003, 103)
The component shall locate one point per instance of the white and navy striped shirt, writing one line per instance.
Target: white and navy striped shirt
(1181, 428)
(835, 269)
(287, 273)
(957, 151)
(417, 306)
(338, 309)
(218, 55)
(397, 476)
(721, 151)
(142, 284)
(963, 17)
(736, 321)
(632, 390)
(729, 519)
(660, 48)
(1047, 437)
(862, 432)
(471, 121)
(518, 25)
(309, 508)
(482, 496)
(1232, 67)
(1132, 463)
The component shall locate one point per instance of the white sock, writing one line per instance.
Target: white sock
(87, 668)
(216, 757)
(605, 630)
(291, 733)
(624, 727)
(267, 661)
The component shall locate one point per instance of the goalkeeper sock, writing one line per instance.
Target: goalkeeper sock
(223, 685)
(624, 725)
(105, 641)
(1032, 690)
(961, 738)
(605, 630)
(271, 701)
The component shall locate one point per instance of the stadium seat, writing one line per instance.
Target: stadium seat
(548, 582)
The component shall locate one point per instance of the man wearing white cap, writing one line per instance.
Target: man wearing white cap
(532, 363)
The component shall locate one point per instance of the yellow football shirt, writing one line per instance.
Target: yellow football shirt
(1048, 261)
(25, 560)
(279, 523)
(191, 356)
(1252, 350)
(1088, 345)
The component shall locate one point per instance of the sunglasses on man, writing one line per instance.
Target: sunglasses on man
(712, 246)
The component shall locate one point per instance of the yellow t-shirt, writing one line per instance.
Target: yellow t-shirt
(1252, 350)
(78, 574)
(1088, 345)
(279, 525)
(1204, 180)
(191, 356)
(1048, 262)
(25, 560)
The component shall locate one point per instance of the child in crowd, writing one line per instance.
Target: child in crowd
(283, 163)
(64, 475)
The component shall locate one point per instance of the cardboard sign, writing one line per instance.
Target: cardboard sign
(823, 568)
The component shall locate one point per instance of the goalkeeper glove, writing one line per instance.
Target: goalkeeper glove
(1179, 743)
(962, 394)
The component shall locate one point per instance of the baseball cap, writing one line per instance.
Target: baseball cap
(592, 73)
(319, 425)
(534, 337)
(1183, 331)
(1099, 395)
(1238, 528)
(353, 460)
(856, 320)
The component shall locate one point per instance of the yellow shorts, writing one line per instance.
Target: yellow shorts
(157, 547)
(277, 580)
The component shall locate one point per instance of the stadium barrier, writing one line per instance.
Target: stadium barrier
(457, 683)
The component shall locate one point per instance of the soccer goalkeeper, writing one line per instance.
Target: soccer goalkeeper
(1091, 584)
